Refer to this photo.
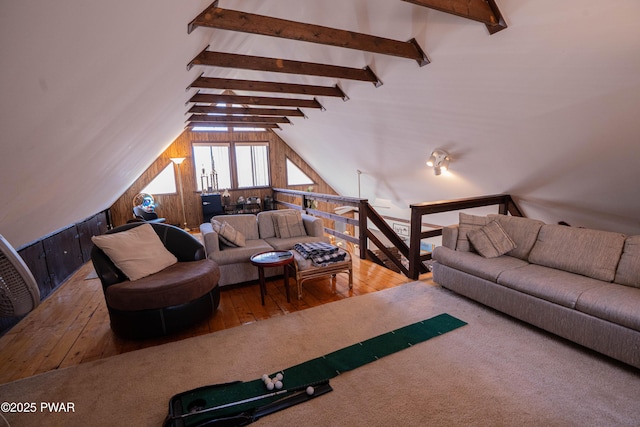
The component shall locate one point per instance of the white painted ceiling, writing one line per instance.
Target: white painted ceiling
(547, 109)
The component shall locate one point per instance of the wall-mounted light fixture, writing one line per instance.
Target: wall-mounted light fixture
(439, 161)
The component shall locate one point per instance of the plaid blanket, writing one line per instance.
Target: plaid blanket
(320, 253)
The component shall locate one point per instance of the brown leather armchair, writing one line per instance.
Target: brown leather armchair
(165, 302)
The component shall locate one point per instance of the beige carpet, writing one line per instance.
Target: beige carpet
(492, 372)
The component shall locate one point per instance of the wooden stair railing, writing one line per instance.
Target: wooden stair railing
(366, 214)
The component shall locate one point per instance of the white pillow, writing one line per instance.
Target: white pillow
(137, 252)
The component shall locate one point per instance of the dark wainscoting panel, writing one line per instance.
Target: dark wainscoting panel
(63, 254)
(94, 226)
(57, 256)
(35, 258)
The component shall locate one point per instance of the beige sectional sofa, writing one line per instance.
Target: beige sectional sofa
(260, 234)
(580, 284)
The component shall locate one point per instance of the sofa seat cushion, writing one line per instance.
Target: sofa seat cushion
(230, 255)
(615, 303)
(286, 244)
(628, 272)
(489, 269)
(592, 253)
(556, 286)
(177, 284)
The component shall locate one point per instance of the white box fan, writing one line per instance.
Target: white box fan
(19, 293)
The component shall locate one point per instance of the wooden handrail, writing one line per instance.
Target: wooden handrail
(416, 260)
(306, 197)
(366, 214)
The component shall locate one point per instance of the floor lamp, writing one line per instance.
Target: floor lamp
(178, 161)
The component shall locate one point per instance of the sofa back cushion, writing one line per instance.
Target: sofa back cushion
(523, 232)
(246, 224)
(592, 253)
(628, 272)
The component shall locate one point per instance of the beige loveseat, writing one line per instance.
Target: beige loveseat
(580, 284)
(260, 233)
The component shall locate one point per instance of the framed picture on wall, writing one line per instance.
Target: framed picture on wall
(401, 229)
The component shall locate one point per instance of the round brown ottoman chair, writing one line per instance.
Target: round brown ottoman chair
(164, 302)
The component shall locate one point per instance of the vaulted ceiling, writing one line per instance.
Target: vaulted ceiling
(538, 100)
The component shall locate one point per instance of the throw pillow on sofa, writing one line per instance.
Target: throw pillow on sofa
(227, 234)
(289, 224)
(469, 223)
(491, 241)
(137, 252)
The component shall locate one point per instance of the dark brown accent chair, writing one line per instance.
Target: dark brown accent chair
(173, 299)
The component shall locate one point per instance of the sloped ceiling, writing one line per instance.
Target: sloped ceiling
(545, 110)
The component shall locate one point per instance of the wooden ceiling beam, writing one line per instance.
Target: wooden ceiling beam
(233, 20)
(201, 118)
(211, 109)
(207, 98)
(237, 125)
(485, 11)
(261, 86)
(278, 65)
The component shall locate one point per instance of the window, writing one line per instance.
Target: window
(295, 176)
(212, 163)
(217, 160)
(163, 183)
(253, 165)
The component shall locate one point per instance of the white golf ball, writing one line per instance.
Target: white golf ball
(279, 376)
(310, 391)
(270, 385)
(278, 385)
(265, 377)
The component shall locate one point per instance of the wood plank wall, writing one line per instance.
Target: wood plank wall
(169, 206)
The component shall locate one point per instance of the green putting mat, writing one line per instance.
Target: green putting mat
(311, 372)
(356, 355)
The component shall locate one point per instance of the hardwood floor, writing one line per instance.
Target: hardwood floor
(72, 325)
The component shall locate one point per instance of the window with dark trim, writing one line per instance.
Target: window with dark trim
(221, 165)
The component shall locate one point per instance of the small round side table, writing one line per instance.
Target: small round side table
(272, 259)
